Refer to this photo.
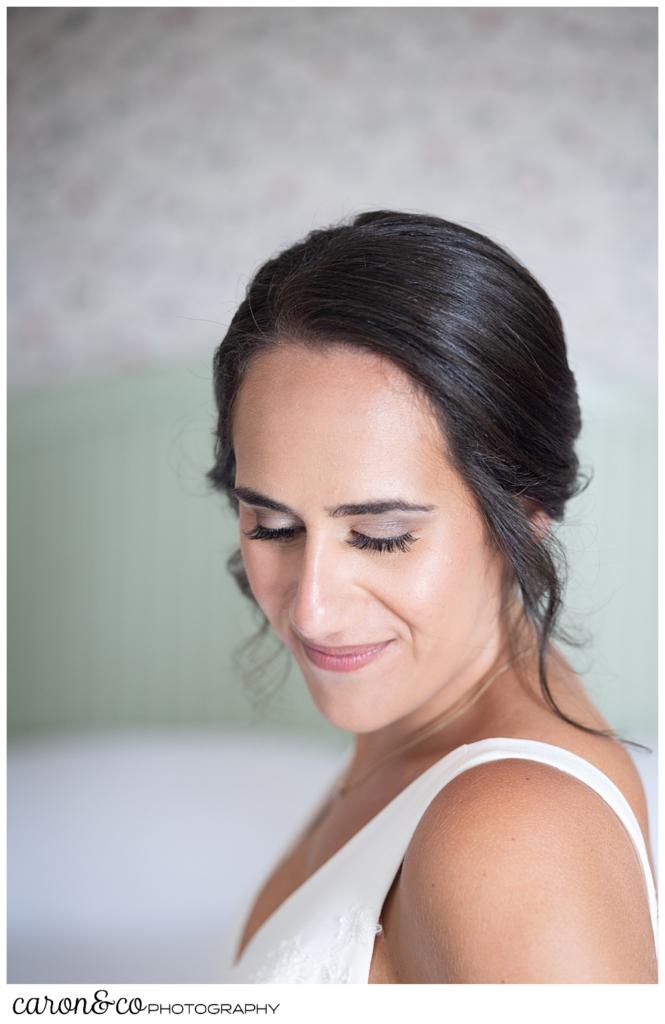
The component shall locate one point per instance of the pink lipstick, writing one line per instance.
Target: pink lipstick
(344, 659)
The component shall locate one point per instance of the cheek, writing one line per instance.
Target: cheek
(416, 587)
(261, 567)
(443, 577)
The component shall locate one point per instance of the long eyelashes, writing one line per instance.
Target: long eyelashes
(382, 544)
(402, 543)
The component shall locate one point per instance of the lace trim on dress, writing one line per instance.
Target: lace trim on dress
(291, 962)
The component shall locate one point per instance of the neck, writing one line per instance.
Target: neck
(512, 637)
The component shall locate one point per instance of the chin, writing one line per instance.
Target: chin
(349, 704)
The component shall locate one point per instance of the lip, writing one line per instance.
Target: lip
(344, 659)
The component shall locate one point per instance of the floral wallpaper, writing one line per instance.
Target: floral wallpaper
(156, 156)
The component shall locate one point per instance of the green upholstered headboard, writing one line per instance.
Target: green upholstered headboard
(120, 609)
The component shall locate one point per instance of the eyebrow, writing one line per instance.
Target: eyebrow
(363, 508)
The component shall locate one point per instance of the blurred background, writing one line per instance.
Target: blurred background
(156, 157)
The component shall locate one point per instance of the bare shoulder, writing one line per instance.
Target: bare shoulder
(519, 872)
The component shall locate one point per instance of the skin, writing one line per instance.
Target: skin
(317, 428)
(536, 882)
(314, 429)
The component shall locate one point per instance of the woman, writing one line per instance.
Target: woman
(396, 431)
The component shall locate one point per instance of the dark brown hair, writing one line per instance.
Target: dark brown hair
(482, 342)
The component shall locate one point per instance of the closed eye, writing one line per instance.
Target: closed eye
(383, 544)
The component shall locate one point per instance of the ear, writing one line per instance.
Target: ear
(540, 522)
(538, 519)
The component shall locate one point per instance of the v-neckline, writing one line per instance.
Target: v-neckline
(510, 741)
(296, 893)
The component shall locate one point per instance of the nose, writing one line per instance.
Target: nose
(320, 600)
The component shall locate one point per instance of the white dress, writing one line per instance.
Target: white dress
(324, 932)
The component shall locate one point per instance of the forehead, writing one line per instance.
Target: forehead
(333, 409)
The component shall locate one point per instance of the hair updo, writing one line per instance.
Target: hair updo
(483, 344)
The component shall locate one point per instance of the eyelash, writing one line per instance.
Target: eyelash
(380, 544)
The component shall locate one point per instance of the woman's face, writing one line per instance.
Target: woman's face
(316, 430)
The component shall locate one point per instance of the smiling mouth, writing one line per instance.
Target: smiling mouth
(354, 658)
